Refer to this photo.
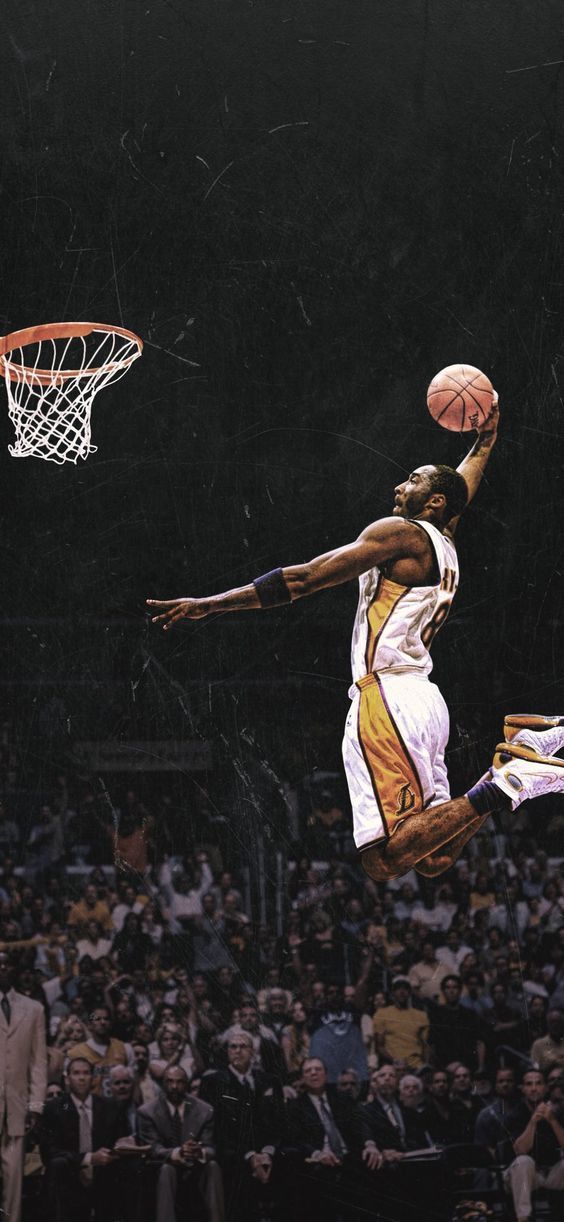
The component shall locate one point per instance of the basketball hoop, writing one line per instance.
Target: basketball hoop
(52, 385)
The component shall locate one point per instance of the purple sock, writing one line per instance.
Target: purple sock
(485, 797)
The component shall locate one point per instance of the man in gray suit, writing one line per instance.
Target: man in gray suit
(179, 1129)
(23, 1082)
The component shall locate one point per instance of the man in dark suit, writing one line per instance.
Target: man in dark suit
(179, 1129)
(248, 1109)
(77, 1135)
(398, 1130)
(329, 1149)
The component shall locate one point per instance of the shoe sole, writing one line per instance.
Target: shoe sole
(505, 752)
(529, 721)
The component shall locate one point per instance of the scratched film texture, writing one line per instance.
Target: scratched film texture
(305, 209)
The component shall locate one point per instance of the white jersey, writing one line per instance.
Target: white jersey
(395, 624)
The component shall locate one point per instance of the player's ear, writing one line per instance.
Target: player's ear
(437, 502)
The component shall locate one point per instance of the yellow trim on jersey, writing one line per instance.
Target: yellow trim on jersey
(387, 596)
(395, 780)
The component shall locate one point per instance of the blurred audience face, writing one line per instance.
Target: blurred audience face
(386, 1081)
(314, 1076)
(348, 1083)
(54, 1091)
(79, 1078)
(461, 1081)
(439, 1087)
(240, 1053)
(100, 1025)
(533, 1087)
(121, 1082)
(297, 1013)
(504, 1083)
(410, 1091)
(555, 1024)
(175, 1085)
(141, 1054)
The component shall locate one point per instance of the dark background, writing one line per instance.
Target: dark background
(305, 209)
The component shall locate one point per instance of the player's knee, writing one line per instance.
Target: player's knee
(431, 866)
(378, 870)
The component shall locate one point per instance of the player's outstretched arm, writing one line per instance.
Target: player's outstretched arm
(474, 464)
(387, 539)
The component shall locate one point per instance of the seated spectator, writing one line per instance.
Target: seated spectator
(465, 1105)
(536, 1127)
(474, 996)
(410, 1092)
(453, 951)
(295, 1040)
(179, 1129)
(174, 1049)
(93, 944)
(131, 946)
(401, 1031)
(394, 1129)
(248, 1109)
(122, 1088)
(437, 1118)
(146, 1089)
(90, 908)
(456, 1033)
(77, 1133)
(337, 1038)
(267, 1054)
(101, 1050)
(129, 902)
(491, 1120)
(329, 1147)
(548, 1051)
(427, 974)
(349, 1084)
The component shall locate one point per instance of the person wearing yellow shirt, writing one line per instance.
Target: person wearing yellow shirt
(400, 1030)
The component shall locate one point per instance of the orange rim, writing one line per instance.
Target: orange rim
(61, 330)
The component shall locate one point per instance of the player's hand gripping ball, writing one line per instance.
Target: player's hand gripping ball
(460, 398)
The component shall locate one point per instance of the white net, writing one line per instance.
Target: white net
(51, 384)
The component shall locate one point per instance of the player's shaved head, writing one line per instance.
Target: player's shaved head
(452, 486)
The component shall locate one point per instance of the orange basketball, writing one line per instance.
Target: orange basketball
(460, 398)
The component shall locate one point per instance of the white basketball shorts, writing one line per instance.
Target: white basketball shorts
(393, 750)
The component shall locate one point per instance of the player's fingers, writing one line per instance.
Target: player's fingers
(161, 602)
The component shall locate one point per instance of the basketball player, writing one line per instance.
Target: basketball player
(397, 728)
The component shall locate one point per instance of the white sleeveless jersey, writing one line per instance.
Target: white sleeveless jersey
(395, 624)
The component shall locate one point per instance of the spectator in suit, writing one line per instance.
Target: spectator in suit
(329, 1147)
(394, 1128)
(248, 1124)
(122, 1085)
(23, 1081)
(77, 1135)
(179, 1129)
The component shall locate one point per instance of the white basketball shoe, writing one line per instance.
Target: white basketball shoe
(540, 732)
(521, 773)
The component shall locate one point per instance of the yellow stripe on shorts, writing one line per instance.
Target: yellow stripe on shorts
(394, 777)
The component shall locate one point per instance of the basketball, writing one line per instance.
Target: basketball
(460, 398)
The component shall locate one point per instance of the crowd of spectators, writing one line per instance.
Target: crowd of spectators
(309, 1066)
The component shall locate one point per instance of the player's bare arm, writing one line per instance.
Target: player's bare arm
(473, 466)
(389, 539)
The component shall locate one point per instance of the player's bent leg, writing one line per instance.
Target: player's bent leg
(444, 859)
(417, 837)
(517, 774)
